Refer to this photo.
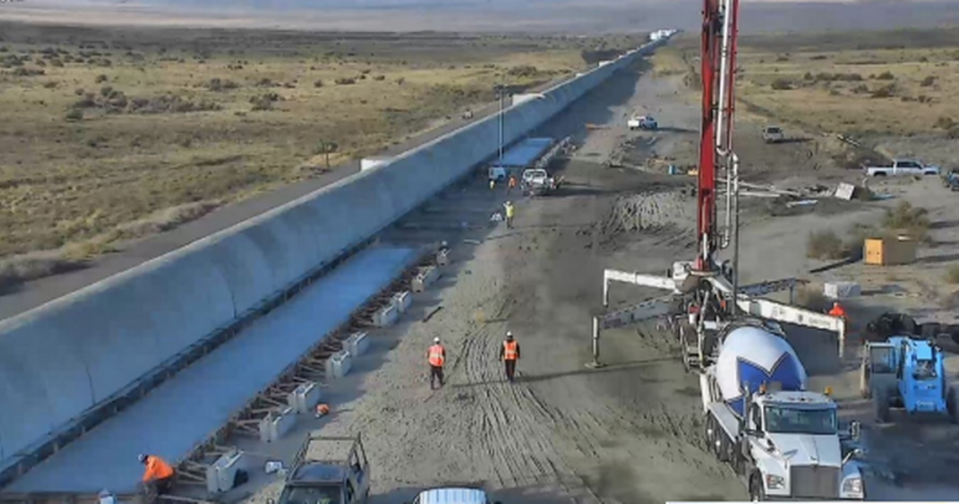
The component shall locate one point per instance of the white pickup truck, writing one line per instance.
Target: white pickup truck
(901, 167)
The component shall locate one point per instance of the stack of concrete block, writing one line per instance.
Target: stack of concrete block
(402, 301)
(425, 277)
(357, 344)
(305, 397)
(386, 316)
(338, 365)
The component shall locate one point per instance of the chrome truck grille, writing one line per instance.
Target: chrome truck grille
(814, 482)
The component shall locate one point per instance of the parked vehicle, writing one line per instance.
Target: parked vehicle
(908, 373)
(453, 495)
(537, 181)
(902, 167)
(773, 134)
(331, 469)
(643, 123)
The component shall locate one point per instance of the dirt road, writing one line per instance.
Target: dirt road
(625, 433)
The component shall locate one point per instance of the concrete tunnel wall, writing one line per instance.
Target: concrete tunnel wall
(70, 355)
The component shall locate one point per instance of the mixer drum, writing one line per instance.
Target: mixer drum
(751, 356)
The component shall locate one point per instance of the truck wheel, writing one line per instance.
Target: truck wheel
(864, 390)
(881, 402)
(756, 491)
(723, 453)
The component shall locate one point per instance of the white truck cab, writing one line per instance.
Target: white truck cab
(794, 441)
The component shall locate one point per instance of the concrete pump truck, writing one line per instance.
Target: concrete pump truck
(783, 441)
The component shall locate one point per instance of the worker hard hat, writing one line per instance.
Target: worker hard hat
(143, 458)
(436, 340)
(509, 334)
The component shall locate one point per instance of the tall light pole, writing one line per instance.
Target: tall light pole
(501, 95)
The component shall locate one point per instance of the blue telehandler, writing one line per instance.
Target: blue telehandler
(907, 372)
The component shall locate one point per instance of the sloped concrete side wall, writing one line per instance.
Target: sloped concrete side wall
(72, 354)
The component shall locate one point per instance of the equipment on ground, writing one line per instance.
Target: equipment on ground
(537, 181)
(453, 495)
(328, 469)
(773, 134)
(891, 324)
(783, 443)
(497, 173)
(908, 373)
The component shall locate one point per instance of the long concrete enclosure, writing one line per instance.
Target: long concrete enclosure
(63, 359)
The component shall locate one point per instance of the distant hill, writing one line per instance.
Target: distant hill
(567, 16)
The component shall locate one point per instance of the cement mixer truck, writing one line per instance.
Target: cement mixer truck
(784, 441)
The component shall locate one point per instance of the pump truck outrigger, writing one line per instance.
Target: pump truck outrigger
(783, 441)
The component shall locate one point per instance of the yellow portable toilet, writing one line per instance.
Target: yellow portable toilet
(889, 250)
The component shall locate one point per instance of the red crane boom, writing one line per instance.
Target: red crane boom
(718, 60)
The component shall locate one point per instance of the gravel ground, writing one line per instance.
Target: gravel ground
(629, 432)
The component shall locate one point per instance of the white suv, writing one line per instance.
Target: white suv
(454, 495)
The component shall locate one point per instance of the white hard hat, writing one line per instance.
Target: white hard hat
(436, 340)
(509, 333)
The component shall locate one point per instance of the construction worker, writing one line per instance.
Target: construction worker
(510, 210)
(492, 184)
(512, 184)
(158, 473)
(509, 353)
(837, 310)
(436, 357)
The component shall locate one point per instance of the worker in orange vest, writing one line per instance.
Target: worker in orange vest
(158, 473)
(511, 184)
(837, 310)
(436, 357)
(509, 353)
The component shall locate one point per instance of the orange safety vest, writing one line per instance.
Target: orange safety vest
(436, 355)
(837, 311)
(512, 181)
(157, 469)
(509, 350)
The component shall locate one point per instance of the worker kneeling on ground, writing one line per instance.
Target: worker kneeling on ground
(509, 353)
(437, 357)
(158, 473)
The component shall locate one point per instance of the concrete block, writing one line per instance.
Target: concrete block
(358, 343)
(305, 397)
(841, 290)
(276, 424)
(443, 257)
(338, 365)
(424, 278)
(386, 316)
(221, 474)
(402, 301)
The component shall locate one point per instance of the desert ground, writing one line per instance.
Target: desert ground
(630, 432)
(112, 134)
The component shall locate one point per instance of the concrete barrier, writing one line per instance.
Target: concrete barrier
(60, 360)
